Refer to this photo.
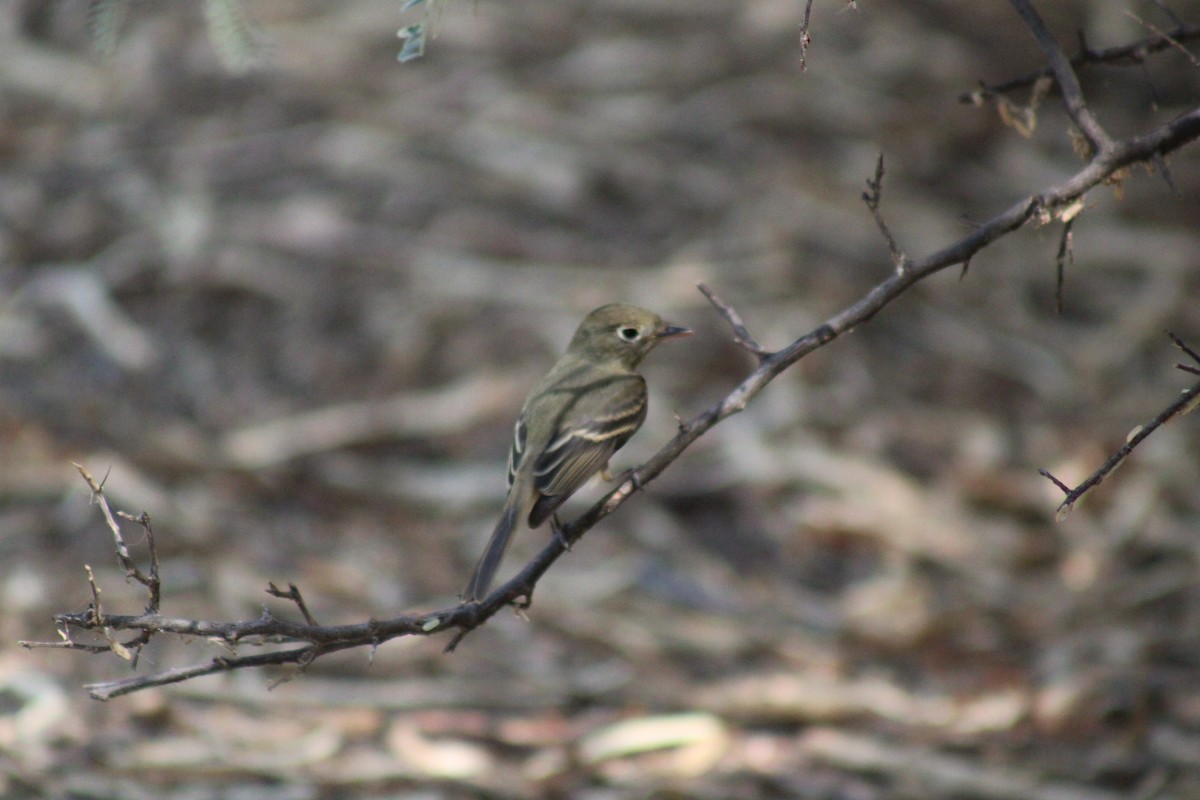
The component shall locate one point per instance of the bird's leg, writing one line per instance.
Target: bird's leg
(556, 529)
(605, 475)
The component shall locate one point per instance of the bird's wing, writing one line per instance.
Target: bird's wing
(520, 432)
(583, 442)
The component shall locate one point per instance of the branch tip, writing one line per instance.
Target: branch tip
(1045, 473)
(872, 197)
(741, 336)
(1064, 75)
(1192, 354)
(805, 36)
(1187, 401)
(293, 594)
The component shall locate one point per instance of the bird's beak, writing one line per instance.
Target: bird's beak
(673, 332)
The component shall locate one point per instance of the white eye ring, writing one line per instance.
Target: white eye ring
(629, 333)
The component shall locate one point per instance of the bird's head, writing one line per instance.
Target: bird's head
(622, 333)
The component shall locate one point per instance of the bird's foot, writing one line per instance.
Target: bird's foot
(557, 530)
(632, 476)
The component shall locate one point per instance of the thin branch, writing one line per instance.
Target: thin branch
(1191, 354)
(1066, 253)
(740, 334)
(1166, 37)
(111, 689)
(1048, 475)
(464, 617)
(293, 594)
(872, 197)
(130, 566)
(94, 612)
(805, 36)
(1133, 53)
(1188, 400)
(131, 649)
(1064, 74)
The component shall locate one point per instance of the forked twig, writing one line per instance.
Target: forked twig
(1188, 400)
(740, 334)
(1132, 53)
(297, 644)
(872, 197)
(1064, 75)
(293, 594)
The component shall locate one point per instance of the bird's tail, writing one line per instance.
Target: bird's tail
(489, 562)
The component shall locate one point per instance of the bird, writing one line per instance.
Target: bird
(581, 412)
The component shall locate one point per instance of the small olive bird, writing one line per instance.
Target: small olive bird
(573, 420)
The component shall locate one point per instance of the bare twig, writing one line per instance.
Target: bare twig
(872, 197)
(1191, 354)
(293, 594)
(805, 36)
(150, 581)
(303, 642)
(1166, 37)
(1045, 473)
(1066, 252)
(131, 649)
(1188, 400)
(94, 612)
(740, 335)
(1064, 74)
(1133, 53)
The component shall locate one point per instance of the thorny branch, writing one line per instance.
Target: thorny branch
(1064, 75)
(1066, 251)
(298, 644)
(130, 649)
(1133, 53)
(872, 197)
(741, 335)
(1188, 400)
(805, 36)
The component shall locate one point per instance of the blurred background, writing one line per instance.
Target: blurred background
(290, 308)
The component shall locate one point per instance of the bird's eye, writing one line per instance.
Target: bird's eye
(629, 334)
